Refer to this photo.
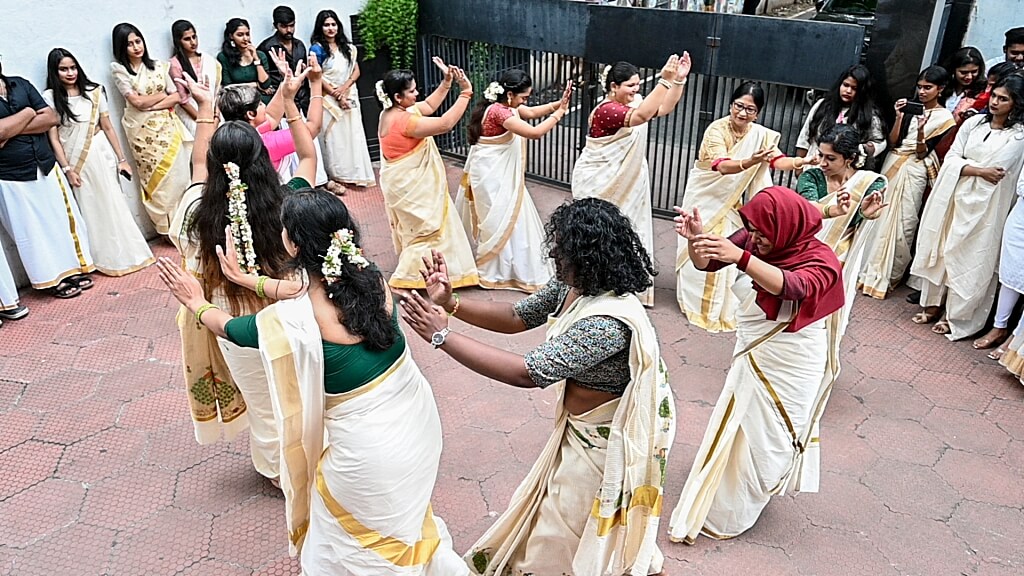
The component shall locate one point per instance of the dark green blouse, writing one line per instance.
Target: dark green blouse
(346, 366)
(813, 185)
(236, 74)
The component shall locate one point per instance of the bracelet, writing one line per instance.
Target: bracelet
(205, 121)
(458, 301)
(316, 96)
(827, 212)
(466, 94)
(554, 106)
(202, 310)
(259, 286)
(680, 82)
(120, 160)
(65, 169)
(294, 119)
(665, 83)
(743, 261)
(742, 167)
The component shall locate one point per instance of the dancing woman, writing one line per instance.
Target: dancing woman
(340, 371)
(590, 505)
(613, 166)
(496, 208)
(91, 165)
(911, 166)
(201, 68)
(755, 443)
(962, 223)
(414, 180)
(734, 162)
(234, 182)
(346, 157)
(156, 137)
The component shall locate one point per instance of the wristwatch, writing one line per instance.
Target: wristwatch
(438, 338)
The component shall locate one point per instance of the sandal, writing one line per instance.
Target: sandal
(336, 188)
(989, 340)
(941, 327)
(65, 289)
(923, 317)
(997, 354)
(83, 281)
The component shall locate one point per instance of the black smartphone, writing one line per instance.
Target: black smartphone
(913, 109)
(126, 175)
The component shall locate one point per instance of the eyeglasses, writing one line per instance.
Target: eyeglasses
(750, 110)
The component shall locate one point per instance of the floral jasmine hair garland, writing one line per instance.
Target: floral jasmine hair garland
(341, 246)
(381, 96)
(602, 80)
(492, 92)
(241, 231)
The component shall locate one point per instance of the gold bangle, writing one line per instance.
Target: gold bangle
(458, 301)
(314, 97)
(294, 119)
(827, 212)
(665, 83)
(203, 309)
(259, 286)
(680, 83)
(205, 121)
(466, 94)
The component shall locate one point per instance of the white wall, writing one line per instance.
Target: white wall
(989, 23)
(84, 26)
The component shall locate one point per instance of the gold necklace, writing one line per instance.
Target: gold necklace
(738, 135)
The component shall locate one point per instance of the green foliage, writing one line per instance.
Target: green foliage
(390, 23)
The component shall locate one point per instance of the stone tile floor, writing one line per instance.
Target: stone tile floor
(923, 445)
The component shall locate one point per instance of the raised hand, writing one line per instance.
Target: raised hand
(201, 92)
(462, 78)
(843, 202)
(315, 71)
(228, 257)
(422, 315)
(684, 67)
(671, 68)
(435, 275)
(293, 80)
(279, 58)
(871, 207)
(445, 69)
(563, 104)
(688, 225)
(715, 247)
(183, 286)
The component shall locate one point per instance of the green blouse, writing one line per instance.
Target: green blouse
(813, 185)
(346, 366)
(237, 74)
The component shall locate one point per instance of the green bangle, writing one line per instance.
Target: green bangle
(259, 286)
(202, 310)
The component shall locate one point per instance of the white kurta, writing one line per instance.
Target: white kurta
(115, 241)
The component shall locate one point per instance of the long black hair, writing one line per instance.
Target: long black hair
(60, 93)
(311, 216)
(240, 143)
(178, 30)
(233, 54)
(591, 240)
(513, 81)
(119, 40)
(965, 56)
(936, 75)
(396, 82)
(317, 37)
(862, 111)
(1014, 84)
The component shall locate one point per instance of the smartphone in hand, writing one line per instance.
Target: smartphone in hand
(126, 175)
(913, 109)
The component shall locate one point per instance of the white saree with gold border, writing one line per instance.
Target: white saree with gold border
(343, 139)
(360, 506)
(422, 216)
(614, 168)
(888, 253)
(755, 443)
(498, 212)
(591, 504)
(707, 298)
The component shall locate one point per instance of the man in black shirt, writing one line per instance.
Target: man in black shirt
(294, 50)
(37, 207)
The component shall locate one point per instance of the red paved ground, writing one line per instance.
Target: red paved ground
(923, 446)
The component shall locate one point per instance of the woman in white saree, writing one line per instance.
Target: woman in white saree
(613, 166)
(343, 141)
(341, 375)
(962, 224)
(735, 161)
(91, 162)
(911, 166)
(590, 506)
(156, 137)
(760, 432)
(414, 180)
(226, 383)
(497, 210)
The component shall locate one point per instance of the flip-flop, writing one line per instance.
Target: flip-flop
(65, 289)
(997, 354)
(83, 281)
(941, 327)
(923, 317)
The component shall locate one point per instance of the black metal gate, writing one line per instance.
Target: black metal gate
(558, 40)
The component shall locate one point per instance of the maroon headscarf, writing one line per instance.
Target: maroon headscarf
(790, 222)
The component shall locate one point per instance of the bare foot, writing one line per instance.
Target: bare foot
(994, 337)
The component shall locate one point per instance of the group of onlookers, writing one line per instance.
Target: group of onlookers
(62, 165)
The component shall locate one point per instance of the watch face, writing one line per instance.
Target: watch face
(437, 339)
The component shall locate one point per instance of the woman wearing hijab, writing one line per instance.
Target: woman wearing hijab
(760, 438)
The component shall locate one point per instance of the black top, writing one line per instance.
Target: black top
(298, 54)
(23, 156)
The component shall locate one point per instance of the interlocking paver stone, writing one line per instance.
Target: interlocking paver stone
(922, 443)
